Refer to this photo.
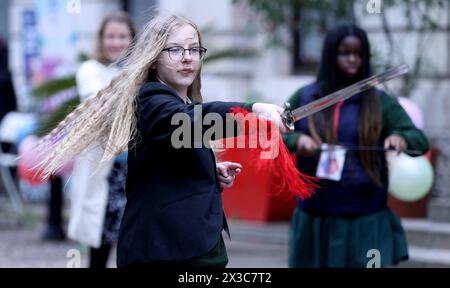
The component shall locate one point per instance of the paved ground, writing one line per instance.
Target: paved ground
(21, 244)
(253, 245)
(257, 245)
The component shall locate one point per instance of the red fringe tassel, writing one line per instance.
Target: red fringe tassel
(270, 154)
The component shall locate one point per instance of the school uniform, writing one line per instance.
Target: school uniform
(174, 208)
(345, 219)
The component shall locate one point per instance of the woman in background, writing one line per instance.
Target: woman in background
(98, 193)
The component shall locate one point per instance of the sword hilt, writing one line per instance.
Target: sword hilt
(287, 117)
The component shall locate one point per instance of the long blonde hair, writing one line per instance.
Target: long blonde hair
(109, 118)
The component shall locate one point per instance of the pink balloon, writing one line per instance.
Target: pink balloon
(28, 161)
(413, 111)
(28, 156)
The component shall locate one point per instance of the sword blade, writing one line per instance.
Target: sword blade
(289, 117)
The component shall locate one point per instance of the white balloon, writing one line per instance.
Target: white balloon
(410, 178)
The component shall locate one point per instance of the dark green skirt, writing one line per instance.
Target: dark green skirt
(330, 241)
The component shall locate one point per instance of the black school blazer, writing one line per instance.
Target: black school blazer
(174, 201)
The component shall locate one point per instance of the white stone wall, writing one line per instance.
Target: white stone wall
(88, 21)
(257, 78)
(431, 93)
(266, 76)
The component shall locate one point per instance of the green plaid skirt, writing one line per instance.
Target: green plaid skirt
(330, 241)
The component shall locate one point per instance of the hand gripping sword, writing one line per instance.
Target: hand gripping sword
(289, 116)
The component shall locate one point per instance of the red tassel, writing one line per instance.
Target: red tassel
(270, 154)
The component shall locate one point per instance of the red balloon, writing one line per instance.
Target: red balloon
(31, 176)
(429, 155)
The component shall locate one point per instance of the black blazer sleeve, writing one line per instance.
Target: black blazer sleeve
(158, 103)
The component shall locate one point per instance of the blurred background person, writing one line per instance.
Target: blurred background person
(7, 94)
(348, 214)
(8, 101)
(97, 192)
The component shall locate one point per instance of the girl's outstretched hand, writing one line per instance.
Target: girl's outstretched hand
(395, 141)
(271, 111)
(226, 171)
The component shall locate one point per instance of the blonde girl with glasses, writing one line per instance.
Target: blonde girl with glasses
(174, 213)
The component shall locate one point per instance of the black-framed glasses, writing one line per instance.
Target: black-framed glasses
(176, 53)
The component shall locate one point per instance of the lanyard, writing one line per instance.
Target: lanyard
(337, 113)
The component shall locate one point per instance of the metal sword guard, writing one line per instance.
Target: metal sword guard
(287, 117)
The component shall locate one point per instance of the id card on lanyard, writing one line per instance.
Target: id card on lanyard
(331, 162)
(332, 157)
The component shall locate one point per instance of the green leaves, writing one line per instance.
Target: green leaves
(45, 92)
(48, 122)
(52, 87)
